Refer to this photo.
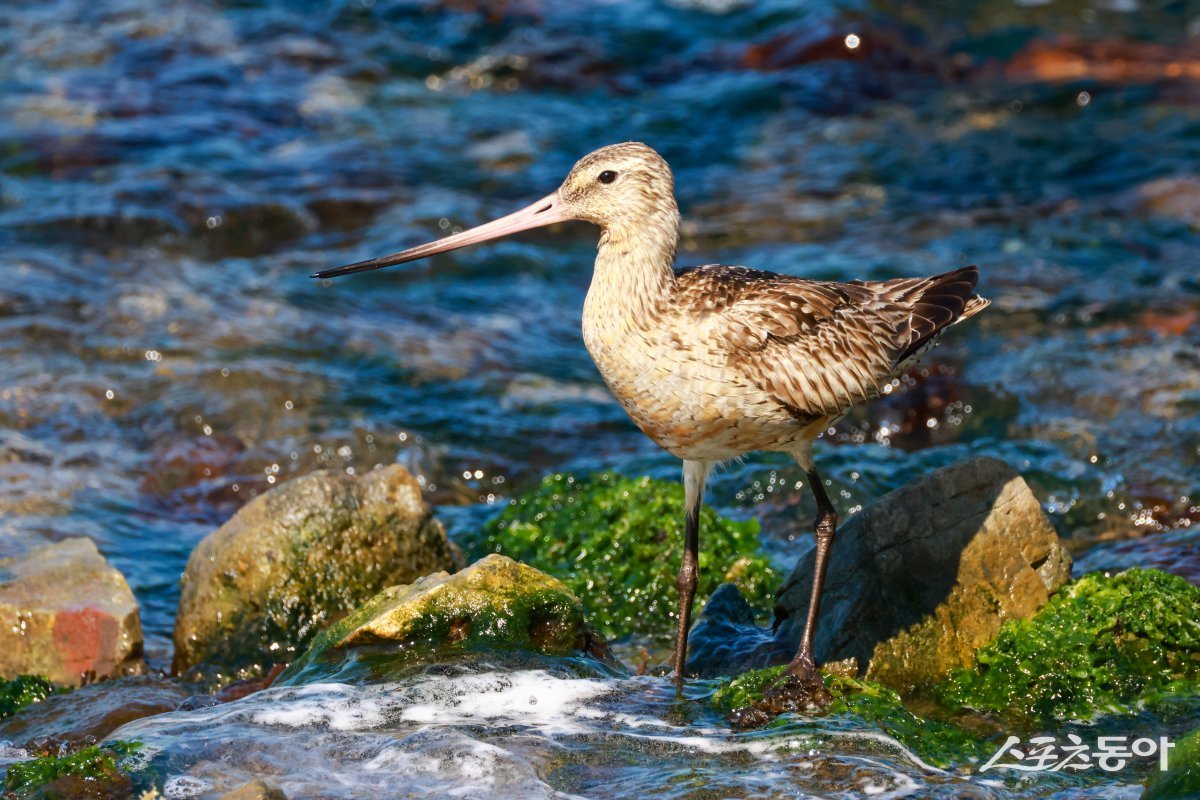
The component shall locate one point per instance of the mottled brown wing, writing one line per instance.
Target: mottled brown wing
(820, 347)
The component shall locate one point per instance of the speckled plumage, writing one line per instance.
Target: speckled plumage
(712, 362)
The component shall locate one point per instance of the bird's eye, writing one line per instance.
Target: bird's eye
(608, 176)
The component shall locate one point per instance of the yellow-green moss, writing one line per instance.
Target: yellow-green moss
(1102, 644)
(617, 541)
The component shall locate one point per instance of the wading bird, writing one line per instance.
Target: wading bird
(713, 362)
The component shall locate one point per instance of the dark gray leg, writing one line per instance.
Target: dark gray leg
(694, 475)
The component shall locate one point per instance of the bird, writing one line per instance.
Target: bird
(714, 362)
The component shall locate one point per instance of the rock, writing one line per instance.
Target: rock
(725, 640)
(1176, 552)
(496, 603)
(256, 790)
(1104, 644)
(922, 577)
(617, 541)
(87, 715)
(1122, 61)
(67, 614)
(1181, 780)
(1177, 197)
(259, 588)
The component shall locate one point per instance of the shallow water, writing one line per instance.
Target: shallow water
(171, 173)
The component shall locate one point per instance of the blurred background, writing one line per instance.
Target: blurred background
(171, 172)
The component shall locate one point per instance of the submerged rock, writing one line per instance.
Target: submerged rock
(617, 542)
(921, 578)
(96, 772)
(67, 614)
(496, 603)
(87, 715)
(260, 587)
(866, 704)
(1103, 644)
(256, 790)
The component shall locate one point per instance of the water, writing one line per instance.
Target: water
(171, 173)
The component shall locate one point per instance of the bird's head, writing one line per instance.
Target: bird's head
(619, 187)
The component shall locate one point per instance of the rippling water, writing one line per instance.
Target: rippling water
(171, 173)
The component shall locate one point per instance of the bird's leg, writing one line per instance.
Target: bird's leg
(800, 685)
(694, 475)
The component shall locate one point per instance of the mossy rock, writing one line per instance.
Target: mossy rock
(1181, 780)
(617, 542)
(494, 604)
(96, 771)
(1103, 644)
(258, 590)
(866, 704)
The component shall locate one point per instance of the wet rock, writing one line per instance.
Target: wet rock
(496, 603)
(1071, 58)
(259, 588)
(97, 772)
(617, 541)
(256, 790)
(922, 577)
(725, 640)
(87, 715)
(67, 614)
(886, 49)
(1181, 780)
(1176, 198)
(1176, 552)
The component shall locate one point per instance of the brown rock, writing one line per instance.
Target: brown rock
(1070, 58)
(917, 580)
(256, 790)
(85, 716)
(296, 558)
(66, 613)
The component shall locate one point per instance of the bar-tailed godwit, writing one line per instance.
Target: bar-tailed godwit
(714, 362)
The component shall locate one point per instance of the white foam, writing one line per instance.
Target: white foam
(181, 787)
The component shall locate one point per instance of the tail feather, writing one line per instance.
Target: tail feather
(938, 303)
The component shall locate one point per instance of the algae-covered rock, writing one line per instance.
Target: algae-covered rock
(66, 613)
(617, 542)
(866, 704)
(1181, 780)
(94, 772)
(926, 574)
(22, 691)
(1102, 644)
(496, 603)
(259, 588)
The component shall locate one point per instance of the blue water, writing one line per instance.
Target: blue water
(170, 174)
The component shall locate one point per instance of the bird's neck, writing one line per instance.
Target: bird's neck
(634, 265)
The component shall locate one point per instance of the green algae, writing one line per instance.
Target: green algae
(92, 766)
(1103, 644)
(22, 691)
(494, 604)
(1182, 778)
(868, 704)
(617, 541)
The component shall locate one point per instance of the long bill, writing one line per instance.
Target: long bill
(546, 211)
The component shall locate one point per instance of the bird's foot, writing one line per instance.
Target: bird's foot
(800, 689)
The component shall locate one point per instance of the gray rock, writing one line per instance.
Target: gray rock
(258, 589)
(67, 614)
(921, 578)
